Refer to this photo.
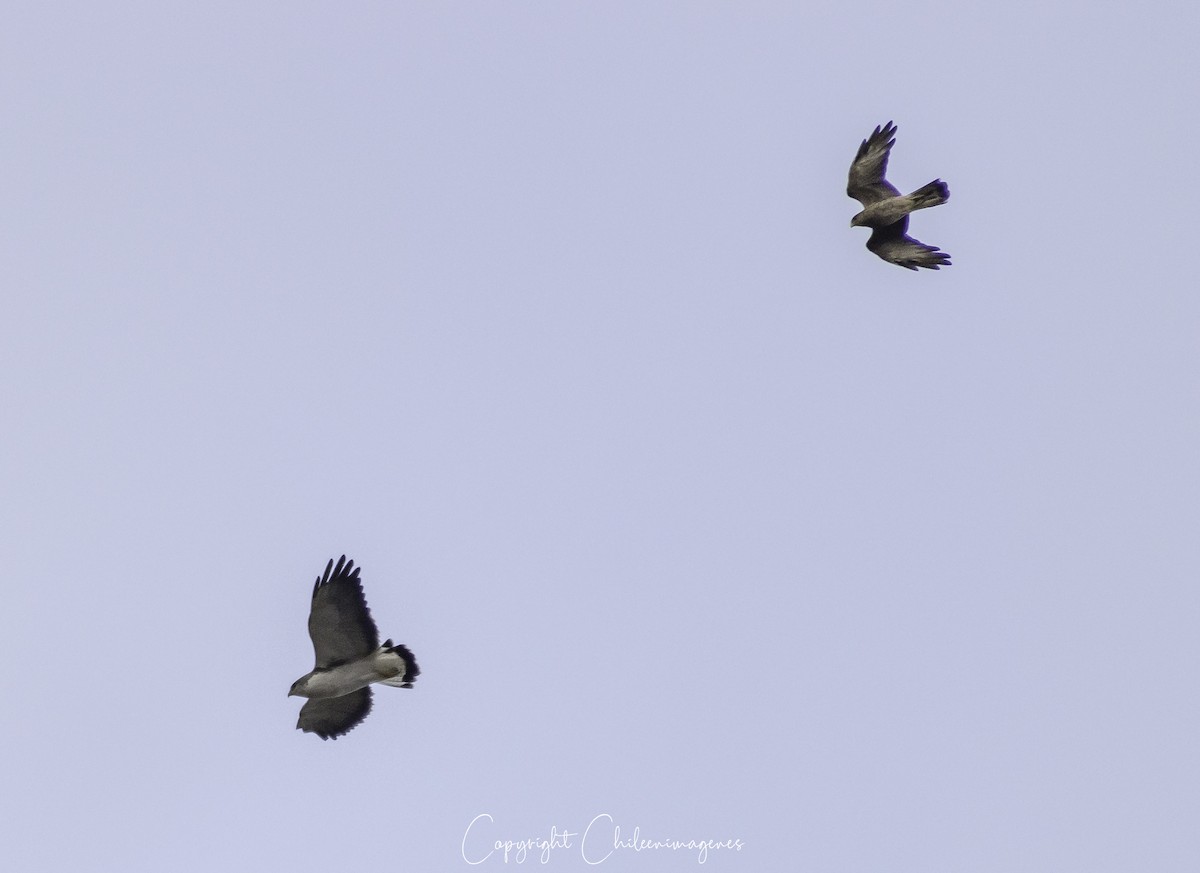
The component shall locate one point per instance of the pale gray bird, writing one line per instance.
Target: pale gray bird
(349, 656)
(886, 211)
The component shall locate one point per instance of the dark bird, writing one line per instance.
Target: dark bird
(349, 656)
(886, 211)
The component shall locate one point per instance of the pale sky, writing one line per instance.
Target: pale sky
(696, 514)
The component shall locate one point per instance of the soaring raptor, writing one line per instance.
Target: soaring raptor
(349, 657)
(885, 211)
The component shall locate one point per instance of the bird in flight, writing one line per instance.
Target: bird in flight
(885, 211)
(349, 656)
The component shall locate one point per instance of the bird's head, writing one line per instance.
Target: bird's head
(856, 221)
(298, 687)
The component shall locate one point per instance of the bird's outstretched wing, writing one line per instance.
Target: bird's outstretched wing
(330, 717)
(895, 246)
(867, 184)
(339, 623)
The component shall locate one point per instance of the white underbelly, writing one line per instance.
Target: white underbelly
(342, 680)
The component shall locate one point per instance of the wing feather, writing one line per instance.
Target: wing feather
(339, 622)
(867, 184)
(895, 246)
(331, 717)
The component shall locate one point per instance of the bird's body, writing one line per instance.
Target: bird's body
(383, 666)
(886, 211)
(349, 658)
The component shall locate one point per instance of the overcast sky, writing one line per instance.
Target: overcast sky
(696, 514)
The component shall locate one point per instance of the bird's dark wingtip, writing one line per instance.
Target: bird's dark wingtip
(344, 570)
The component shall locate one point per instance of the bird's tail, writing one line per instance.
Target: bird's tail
(935, 193)
(411, 671)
